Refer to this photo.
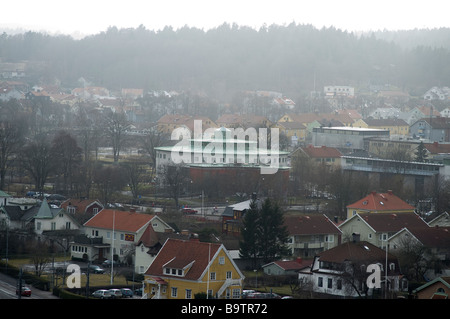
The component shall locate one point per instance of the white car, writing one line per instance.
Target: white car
(115, 293)
(102, 293)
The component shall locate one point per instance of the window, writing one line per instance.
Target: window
(236, 294)
(53, 225)
(320, 282)
(339, 284)
(221, 260)
(174, 292)
(229, 275)
(330, 283)
(212, 276)
(68, 225)
(188, 294)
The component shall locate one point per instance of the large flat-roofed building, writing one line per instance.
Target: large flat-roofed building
(225, 157)
(354, 138)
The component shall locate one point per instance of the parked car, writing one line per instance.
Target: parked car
(188, 211)
(25, 291)
(263, 295)
(107, 263)
(138, 291)
(115, 293)
(126, 292)
(102, 293)
(246, 292)
(96, 269)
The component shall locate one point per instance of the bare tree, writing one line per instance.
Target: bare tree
(108, 179)
(415, 258)
(149, 142)
(67, 156)
(37, 159)
(174, 179)
(11, 137)
(135, 173)
(116, 124)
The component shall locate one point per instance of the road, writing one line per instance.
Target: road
(8, 290)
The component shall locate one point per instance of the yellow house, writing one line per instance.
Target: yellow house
(184, 268)
(360, 123)
(293, 130)
(394, 126)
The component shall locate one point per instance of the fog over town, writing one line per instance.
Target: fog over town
(285, 138)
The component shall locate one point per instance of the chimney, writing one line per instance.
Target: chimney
(299, 260)
(389, 192)
(356, 237)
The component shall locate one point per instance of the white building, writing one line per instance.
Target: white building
(339, 90)
(49, 219)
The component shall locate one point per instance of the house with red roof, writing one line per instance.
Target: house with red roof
(82, 209)
(379, 203)
(378, 228)
(311, 234)
(150, 244)
(184, 268)
(114, 234)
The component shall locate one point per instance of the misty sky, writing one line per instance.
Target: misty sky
(93, 16)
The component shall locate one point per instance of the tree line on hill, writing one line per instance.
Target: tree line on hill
(291, 59)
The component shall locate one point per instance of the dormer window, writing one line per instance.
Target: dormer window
(174, 272)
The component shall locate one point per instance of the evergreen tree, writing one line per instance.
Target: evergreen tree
(248, 247)
(421, 153)
(263, 233)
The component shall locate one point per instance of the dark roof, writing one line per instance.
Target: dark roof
(433, 236)
(356, 251)
(310, 224)
(14, 212)
(387, 222)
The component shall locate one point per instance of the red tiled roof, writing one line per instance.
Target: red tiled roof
(311, 224)
(180, 253)
(125, 221)
(149, 238)
(436, 148)
(322, 151)
(80, 204)
(380, 202)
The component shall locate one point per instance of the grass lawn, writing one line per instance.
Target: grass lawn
(95, 280)
(255, 278)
